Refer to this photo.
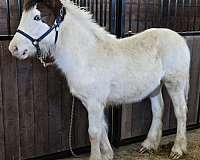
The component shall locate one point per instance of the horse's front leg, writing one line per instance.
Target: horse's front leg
(95, 117)
(106, 149)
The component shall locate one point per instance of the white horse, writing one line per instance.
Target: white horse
(101, 69)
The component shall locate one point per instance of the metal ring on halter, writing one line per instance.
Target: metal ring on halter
(62, 11)
(35, 43)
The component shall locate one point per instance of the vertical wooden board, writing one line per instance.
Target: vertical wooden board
(54, 102)
(126, 17)
(2, 136)
(65, 110)
(3, 17)
(141, 118)
(126, 124)
(10, 102)
(40, 109)
(80, 125)
(193, 100)
(107, 16)
(14, 15)
(26, 108)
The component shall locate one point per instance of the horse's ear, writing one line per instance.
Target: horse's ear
(28, 4)
(56, 7)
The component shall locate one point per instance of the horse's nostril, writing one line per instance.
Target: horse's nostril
(25, 51)
(15, 48)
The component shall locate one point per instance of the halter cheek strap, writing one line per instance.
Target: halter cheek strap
(36, 42)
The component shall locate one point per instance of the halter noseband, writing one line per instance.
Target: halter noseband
(36, 42)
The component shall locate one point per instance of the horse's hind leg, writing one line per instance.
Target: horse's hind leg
(176, 89)
(153, 139)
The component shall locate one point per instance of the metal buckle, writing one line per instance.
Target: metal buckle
(57, 28)
(35, 43)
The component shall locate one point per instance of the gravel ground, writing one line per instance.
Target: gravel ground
(129, 152)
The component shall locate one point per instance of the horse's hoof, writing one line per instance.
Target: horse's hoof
(107, 157)
(143, 150)
(95, 158)
(175, 155)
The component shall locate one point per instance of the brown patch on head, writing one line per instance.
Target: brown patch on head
(49, 9)
(47, 13)
(28, 4)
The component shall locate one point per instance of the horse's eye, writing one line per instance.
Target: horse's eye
(37, 18)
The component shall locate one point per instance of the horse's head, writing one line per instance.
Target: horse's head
(37, 18)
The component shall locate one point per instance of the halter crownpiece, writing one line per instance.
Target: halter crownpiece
(36, 42)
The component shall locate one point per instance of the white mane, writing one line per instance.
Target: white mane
(86, 21)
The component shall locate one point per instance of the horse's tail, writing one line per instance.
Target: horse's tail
(187, 71)
(187, 87)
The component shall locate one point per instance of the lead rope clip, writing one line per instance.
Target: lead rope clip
(45, 65)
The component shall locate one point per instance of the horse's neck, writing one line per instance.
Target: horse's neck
(80, 37)
(79, 40)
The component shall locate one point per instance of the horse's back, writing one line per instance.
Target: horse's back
(169, 45)
(172, 49)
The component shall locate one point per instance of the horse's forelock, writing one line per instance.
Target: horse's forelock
(50, 8)
(53, 5)
(28, 4)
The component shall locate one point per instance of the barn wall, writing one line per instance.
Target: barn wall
(181, 16)
(9, 23)
(35, 107)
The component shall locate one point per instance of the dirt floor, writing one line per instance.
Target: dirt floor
(129, 152)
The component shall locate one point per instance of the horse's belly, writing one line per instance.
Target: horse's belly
(134, 90)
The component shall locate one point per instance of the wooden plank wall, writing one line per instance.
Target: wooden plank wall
(136, 118)
(10, 105)
(7, 22)
(2, 127)
(35, 108)
(3, 17)
(181, 16)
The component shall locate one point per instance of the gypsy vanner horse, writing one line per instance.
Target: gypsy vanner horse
(101, 69)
